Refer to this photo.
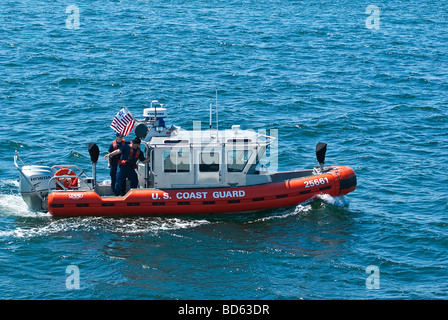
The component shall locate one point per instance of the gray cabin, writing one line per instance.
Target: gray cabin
(199, 158)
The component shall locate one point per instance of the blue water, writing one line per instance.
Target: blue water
(311, 69)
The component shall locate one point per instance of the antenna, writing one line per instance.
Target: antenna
(217, 122)
(155, 113)
(154, 103)
(210, 122)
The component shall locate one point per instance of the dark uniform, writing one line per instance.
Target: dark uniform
(114, 161)
(126, 167)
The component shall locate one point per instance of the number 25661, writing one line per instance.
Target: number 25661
(316, 182)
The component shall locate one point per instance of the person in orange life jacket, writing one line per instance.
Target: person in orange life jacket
(127, 164)
(113, 161)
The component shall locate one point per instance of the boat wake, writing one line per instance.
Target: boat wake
(308, 207)
(123, 227)
(326, 199)
(40, 224)
(11, 203)
(152, 225)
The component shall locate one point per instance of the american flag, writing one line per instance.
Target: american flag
(123, 122)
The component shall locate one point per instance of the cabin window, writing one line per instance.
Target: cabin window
(176, 161)
(209, 161)
(237, 160)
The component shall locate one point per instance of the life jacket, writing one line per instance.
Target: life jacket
(132, 158)
(115, 146)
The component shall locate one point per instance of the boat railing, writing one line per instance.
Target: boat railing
(269, 139)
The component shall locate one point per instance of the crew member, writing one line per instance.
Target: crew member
(113, 161)
(129, 155)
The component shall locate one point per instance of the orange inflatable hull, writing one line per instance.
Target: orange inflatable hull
(336, 182)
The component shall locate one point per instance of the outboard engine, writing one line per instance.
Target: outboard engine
(34, 184)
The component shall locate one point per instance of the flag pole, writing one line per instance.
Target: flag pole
(122, 103)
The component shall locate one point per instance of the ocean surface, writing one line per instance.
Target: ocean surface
(372, 82)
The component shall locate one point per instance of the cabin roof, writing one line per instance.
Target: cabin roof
(207, 137)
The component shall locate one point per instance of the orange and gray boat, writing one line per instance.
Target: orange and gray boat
(190, 172)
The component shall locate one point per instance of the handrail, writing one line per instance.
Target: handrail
(269, 139)
(79, 176)
(59, 183)
(16, 156)
(81, 172)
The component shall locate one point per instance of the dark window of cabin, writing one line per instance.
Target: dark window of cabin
(176, 161)
(209, 161)
(237, 160)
